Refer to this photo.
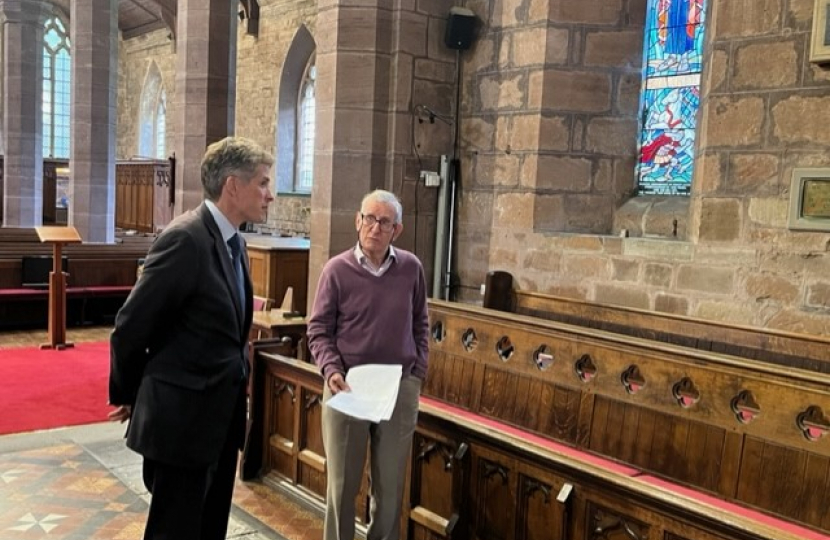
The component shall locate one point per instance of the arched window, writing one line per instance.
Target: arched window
(152, 120)
(671, 95)
(296, 111)
(56, 89)
(161, 126)
(306, 107)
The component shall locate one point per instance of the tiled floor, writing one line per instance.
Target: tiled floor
(82, 483)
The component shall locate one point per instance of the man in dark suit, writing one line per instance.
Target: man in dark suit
(178, 351)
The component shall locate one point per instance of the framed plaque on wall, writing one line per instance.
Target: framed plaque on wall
(820, 42)
(810, 200)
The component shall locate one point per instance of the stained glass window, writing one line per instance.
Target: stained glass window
(670, 96)
(56, 86)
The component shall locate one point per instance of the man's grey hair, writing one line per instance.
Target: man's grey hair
(232, 156)
(386, 197)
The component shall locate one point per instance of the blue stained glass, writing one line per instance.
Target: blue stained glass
(667, 59)
(671, 95)
(670, 108)
(52, 39)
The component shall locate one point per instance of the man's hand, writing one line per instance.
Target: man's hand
(338, 384)
(120, 414)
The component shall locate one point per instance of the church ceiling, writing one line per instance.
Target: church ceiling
(137, 17)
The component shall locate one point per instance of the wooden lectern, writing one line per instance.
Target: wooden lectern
(57, 236)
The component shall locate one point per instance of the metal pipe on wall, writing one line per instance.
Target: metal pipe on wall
(441, 232)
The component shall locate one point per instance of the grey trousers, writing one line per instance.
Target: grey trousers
(345, 440)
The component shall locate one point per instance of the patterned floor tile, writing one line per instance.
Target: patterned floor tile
(64, 492)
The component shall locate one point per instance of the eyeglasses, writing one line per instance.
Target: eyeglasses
(369, 220)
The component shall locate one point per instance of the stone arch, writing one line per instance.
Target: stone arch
(299, 53)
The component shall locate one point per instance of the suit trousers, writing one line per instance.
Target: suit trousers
(193, 503)
(345, 440)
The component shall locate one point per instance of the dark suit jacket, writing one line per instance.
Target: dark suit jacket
(178, 348)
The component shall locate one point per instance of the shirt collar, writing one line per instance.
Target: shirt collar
(362, 258)
(225, 227)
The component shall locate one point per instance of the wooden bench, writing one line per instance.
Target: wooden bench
(100, 277)
(801, 351)
(657, 440)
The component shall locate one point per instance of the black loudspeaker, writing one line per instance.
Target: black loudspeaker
(461, 26)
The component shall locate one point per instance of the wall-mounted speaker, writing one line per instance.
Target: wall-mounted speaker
(461, 26)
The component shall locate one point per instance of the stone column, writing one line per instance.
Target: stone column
(23, 117)
(353, 118)
(205, 88)
(94, 31)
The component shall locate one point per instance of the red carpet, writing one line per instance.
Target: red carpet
(48, 389)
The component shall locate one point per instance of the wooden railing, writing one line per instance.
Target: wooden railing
(537, 429)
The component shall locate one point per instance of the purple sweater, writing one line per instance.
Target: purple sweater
(359, 318)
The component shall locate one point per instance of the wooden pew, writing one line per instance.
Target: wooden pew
(801, 351)
(99, 278)
(655, 440)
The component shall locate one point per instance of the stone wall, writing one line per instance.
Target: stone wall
(726, 253)
(548, 146)
(134, 58)
(259, 68)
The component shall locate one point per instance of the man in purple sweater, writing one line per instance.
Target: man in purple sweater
(370, 308)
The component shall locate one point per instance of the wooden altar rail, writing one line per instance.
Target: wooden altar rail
(475, 477)
(801, 351)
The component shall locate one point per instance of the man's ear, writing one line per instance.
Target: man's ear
(398, 231)
(357, 220)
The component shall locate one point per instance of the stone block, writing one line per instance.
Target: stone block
(614, 48)
(753, 174)
(720, 220)
(497, 92)
(628, 93)
(818, 295)
(726, 311)
(624, 270)
(576, 213)
(586, 11)
(622, 296)
(669, 303)
(563, 174)
(529, 47)
(766, 286)
(706, 279)
(766, 65)
(513, 211)
(658, 275)
(769, 212)
(557, 46)
(743, 18)
(658, 249)
(578, 91)
(612, 136)
(585, 266)
(802, 119)
(734, 121)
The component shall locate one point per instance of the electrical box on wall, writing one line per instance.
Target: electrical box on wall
(431, 178)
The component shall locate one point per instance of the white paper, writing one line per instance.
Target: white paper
(374, 392)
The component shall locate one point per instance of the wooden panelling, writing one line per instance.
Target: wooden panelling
(143, 195)
(275, 264)
(667, 410)
(471, 479)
